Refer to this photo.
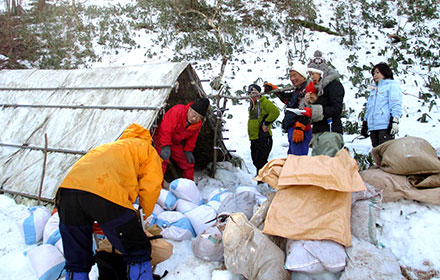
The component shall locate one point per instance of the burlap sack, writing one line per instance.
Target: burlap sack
(406, 156)
(395, 187)
(421, 181)
(249, 252)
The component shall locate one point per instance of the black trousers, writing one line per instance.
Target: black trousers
(260, 150)
(380, 136)
(78, 210)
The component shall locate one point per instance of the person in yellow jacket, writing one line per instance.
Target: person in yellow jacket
(102, 186)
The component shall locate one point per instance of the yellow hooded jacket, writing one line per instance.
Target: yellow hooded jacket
(121, 171)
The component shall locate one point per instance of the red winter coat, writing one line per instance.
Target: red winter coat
(173, 131)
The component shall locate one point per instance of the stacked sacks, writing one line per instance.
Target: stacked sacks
(312, 209)
(209, 244)
(51, 233)
(32, 225)
(182, 214)
(183, 196)
(47, 259)
(167, 200)
(174, 225)
(187, 190)
(407, 168)
(314, 203)
(314, 256)
(202, 217)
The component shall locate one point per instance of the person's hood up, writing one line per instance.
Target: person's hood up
(135, 130)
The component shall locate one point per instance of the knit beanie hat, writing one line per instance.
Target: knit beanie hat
(317, 64)
(201, 106)
(300, 68)
(251, 87)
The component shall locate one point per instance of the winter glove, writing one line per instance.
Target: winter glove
(364, 129)
(190, 157)
(308, 112)
(311, 88)
(165, 153)
(393, 127)
(269, 87)
(298, 132)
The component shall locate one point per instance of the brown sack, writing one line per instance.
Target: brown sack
(406, 156)
(310, 213)
(423, 181)
(313, 201)
(270, 172)
(339, 173)
(161, 250)
(395, 187)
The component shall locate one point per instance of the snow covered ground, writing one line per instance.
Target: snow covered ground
(409, 228)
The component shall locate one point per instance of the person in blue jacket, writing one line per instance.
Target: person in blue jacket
(384, 107)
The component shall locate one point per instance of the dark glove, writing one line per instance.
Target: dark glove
(165, 153)
(298, 132)
(269, 87)
(393, 126)
(364, 129)
(190, 157)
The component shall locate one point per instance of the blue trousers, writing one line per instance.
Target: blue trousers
(79, 209)
(302, 148)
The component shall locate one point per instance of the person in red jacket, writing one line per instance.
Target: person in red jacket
(177, 135)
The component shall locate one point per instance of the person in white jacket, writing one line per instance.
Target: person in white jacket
(384, 107)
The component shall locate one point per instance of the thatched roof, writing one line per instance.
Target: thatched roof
(80, 109)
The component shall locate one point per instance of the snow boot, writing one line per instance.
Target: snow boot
(140, 271)
(77, 275)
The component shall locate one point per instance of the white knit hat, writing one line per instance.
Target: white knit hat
(300, 68)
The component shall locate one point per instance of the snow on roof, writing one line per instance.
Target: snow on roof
(77, 110)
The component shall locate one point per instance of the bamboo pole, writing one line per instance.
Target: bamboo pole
(44, 169)
(26, 195)
(81, 107)
(87, 88)
(25, 146)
